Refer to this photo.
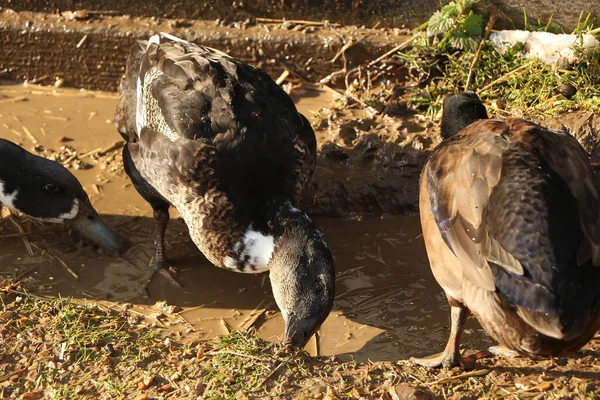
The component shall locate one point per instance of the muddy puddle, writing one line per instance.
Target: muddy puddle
(388, 305)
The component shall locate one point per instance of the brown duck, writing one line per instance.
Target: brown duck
(221, 142)
(510, 218)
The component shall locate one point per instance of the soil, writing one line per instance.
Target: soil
(389, 13)
(92, 53)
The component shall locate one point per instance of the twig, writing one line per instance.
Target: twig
(235, 353)
(282, 77)
(294, 72)
(226, 325)
(23, 235)
(488, 29)
(13, 99)
(401, 46)
(266, 378)
(30, 135)
(251, 318)
(71, 158)
(346, 46)
(25, 273)
(479, 372)
(82, 41)
(13, 235)
(508, 75)
(24, 369)
(296, 21)
(103, 150)
(57, 258)
(16, 132)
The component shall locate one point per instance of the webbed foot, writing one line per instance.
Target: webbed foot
(164, 270)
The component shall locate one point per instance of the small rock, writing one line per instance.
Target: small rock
(200, 353)
(567, 90)
(404, 391)
(59, 82)
(32, 395)
(240, 396)
(331, 394)
(165, 388)
(287, 25)
(8, 315)
(145, 383)
(80, 14)
(64, 139)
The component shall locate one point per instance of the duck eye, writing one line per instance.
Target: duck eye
(51, 187)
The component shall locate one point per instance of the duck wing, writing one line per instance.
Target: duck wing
(190, 93)
(462, 173)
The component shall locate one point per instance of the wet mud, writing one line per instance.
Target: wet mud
(388, 305)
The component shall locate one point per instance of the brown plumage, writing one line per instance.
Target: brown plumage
(510, 218)
(220, 141)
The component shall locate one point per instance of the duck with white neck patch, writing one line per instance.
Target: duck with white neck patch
(46, 190)
(221, 142)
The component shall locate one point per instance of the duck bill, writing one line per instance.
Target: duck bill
(299, 331)
(91, 226)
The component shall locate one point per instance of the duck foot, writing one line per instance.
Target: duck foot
(444, 360)
(502, 351)
(163, 270)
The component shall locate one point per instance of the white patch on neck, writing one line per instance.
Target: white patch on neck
(73, 213)
(8, 199)
(252, 254)
(64, 216)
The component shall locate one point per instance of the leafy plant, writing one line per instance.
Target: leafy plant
(456, 26)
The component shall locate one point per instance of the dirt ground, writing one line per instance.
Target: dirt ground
(388, 306)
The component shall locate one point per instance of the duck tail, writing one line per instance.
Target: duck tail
(548, 324)
(576, 305)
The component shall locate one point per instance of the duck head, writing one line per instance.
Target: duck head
(461, 110)
(46, 190)
(301, 273)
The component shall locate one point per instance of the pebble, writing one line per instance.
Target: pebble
(567, 90)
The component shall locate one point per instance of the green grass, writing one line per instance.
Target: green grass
(439, 62)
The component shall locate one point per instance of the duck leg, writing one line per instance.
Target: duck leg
(161, 217)
(159, 261)
(450, 357)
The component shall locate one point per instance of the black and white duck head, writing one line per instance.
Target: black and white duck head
(46, 190)
(301, 273)
(300, 267)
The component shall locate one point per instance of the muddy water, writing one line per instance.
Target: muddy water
(388, 305)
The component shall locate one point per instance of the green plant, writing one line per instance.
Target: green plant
(456, 26)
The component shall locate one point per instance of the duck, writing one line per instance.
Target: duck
(46, 190)
(222, 143)
(510, 219)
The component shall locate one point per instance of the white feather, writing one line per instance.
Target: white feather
(140, 114)
(8, 199)
(255, 255)
(73, 213)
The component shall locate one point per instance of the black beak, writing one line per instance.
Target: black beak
(89, 224)
(298, 331)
